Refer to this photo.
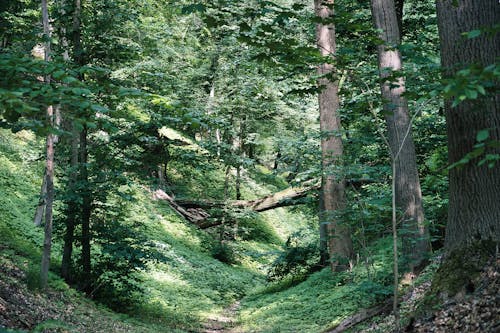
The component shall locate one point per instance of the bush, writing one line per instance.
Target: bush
(300, 257)
(225, 253)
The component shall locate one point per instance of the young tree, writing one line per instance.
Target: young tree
(469, 41)
(332, 196)
(407, 194)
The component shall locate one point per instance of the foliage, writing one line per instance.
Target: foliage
(225, 253)
(299, 258)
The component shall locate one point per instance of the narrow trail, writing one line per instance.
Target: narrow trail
(224, 322)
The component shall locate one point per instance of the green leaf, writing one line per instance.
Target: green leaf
(481, 90)
(471, 94)
(482, 135)
(473, 33)
(58, 74)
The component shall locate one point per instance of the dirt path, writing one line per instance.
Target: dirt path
(224, 322)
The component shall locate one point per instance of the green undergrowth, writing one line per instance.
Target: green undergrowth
(184, 284)
(323, 300)
(187, 284)
(20, 180)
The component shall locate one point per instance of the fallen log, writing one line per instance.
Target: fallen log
(194, 215)
(287, 197)
(196, 211)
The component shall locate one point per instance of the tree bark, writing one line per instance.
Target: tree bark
(408, 193)
(40, 209)
(333, 185)
(49, 169)
(474, 203)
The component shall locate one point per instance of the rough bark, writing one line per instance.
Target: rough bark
(474, 202)
(407, 188)
(49, 168)
(333, 186)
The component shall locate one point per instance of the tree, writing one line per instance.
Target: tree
(407, 193)
(332, 196)
(470, 46)
(49, 167)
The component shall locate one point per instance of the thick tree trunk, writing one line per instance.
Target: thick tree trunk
(333, 186)
(474, 203)
(49, 169)
(407, 188)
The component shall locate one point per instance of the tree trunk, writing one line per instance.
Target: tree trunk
(474, 203)
(49, 179)
(49, 169)
(86, 209)
(399, 4)
(71, 202)
(40, 209)
(407, 188)
(333, 186)
(72, 211)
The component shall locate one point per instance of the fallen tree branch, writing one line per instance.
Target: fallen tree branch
(287, 197)
(193, 215)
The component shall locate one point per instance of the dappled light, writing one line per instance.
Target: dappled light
(254, 166)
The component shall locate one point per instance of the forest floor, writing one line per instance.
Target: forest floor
(474, 311)
(54, 310)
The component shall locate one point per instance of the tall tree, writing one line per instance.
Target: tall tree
(336, 235)
(407, 194)
(49, 168)
(474, 209)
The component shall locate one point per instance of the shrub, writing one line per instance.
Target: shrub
(300, 257)
(225, 253)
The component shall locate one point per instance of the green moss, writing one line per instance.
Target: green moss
(461, 267)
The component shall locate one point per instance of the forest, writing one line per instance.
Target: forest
(317, 166)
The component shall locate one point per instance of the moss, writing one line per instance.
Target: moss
(461, 267)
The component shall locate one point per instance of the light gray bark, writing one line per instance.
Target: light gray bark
(332, 230)
(407, 193)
